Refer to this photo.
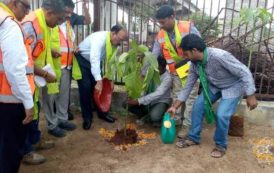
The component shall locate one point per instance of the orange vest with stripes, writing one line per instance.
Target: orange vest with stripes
(66, 44)
(6, 95)
(31, 25)
(184, 29)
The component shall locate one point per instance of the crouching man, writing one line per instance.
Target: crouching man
(154, 104)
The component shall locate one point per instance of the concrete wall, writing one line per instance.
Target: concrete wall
(263, 114)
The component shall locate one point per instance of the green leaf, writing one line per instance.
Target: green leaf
(122, 58)
(156, 78)
(120, 70)
(142, 48)
(148, 78)
(247, 15)
(133, 84)
(264, 15)
(151, 59)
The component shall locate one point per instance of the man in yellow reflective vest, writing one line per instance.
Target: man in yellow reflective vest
(37, 26)
(92, 51)
(62, 38)
(77, 20)
(16, 84)
(168, 43)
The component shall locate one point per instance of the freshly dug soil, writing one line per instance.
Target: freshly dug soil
(236, 127)
(120, 138)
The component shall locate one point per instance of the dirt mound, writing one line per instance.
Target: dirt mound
(236, 127)
(120, 138)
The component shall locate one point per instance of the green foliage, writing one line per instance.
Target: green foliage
(133, 83)
(201, 21)
(152, 75)
(131, 65)
(254, 16)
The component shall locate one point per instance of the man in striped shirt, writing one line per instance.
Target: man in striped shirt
(227, 79)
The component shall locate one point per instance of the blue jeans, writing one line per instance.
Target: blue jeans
(225, 110)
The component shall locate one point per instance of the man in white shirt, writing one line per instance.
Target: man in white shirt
(16, 102)
(92, 51)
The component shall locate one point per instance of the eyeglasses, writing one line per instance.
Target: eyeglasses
(120, 38)
(26, 6)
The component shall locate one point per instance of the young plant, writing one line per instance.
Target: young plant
(138, 68)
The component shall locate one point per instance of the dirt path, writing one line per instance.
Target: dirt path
(87, 152)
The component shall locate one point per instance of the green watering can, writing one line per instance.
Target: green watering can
(168, 130)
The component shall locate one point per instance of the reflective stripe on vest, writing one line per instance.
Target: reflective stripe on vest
(31, 25)
(6, 95)
(66, 46)
(171, 56)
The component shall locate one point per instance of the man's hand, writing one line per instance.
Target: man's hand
(75, 49)
(174, 107)
(99, 86)
(251, 102)
(29, 115)
(55, 54)
(50, 78)
(133, 102)
(172, 111)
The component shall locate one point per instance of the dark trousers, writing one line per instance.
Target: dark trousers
(153, 113)
(86, 88)
(33, 134)
(12, 136)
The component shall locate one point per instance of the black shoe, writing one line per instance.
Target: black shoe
(57, 132)
(108, 118)
(86, 125)
(70, 116)
(67, 126)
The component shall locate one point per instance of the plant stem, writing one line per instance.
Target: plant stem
(125, 123)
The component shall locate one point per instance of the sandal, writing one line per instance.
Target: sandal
(184, 143)
(218, 152)
(182, 137)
